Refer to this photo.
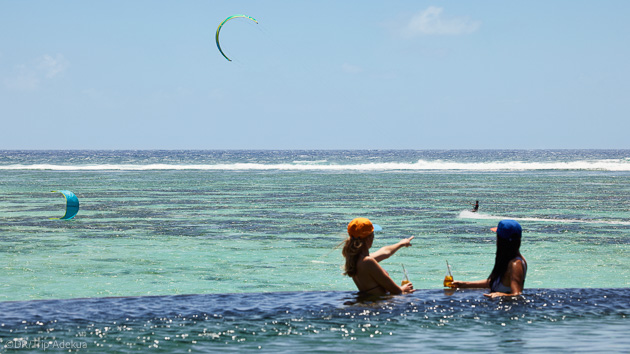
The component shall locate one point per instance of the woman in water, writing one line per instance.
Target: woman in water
(508, 275)
(363, 267)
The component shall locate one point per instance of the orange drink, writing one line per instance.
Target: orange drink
(406, 280)
(448, 281)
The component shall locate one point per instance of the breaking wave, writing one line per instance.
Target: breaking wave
(420, 165)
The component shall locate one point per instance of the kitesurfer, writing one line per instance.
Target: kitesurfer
(475, 207)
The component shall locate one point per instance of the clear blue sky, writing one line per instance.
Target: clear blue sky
(146, 74)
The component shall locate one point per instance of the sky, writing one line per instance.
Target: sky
(147, 74)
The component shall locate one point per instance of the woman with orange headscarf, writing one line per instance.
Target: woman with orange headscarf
(363, 267)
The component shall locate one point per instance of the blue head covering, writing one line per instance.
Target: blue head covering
(509, 230)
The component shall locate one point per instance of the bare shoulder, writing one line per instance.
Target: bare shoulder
(516, 263)
(367, 263)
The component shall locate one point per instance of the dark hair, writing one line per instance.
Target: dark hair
(506, 251)
(352, 251)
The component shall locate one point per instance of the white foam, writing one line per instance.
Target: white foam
(466, 214)
(322, 165)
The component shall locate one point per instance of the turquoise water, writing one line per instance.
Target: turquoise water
(259, 222)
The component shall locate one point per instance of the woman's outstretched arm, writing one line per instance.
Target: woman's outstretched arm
(388, 251)
(471, 284)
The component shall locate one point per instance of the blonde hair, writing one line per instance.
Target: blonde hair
(351, 251)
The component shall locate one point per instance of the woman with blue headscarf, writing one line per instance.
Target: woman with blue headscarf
(508, 275)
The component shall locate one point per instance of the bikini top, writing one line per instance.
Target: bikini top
(497, 285)
(365, 292)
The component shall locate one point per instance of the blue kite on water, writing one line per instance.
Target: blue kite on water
(72, 204)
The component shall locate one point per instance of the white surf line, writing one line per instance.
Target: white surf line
(465, 214)
(617, 165)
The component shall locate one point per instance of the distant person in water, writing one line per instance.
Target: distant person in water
(363, 267)
(476, 207)
(508, 275)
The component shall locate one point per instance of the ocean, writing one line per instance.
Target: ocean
(237, 250)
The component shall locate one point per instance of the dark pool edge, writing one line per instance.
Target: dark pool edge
(341, 292)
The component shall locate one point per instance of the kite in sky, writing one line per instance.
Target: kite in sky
(72, 204)
(219, 30)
